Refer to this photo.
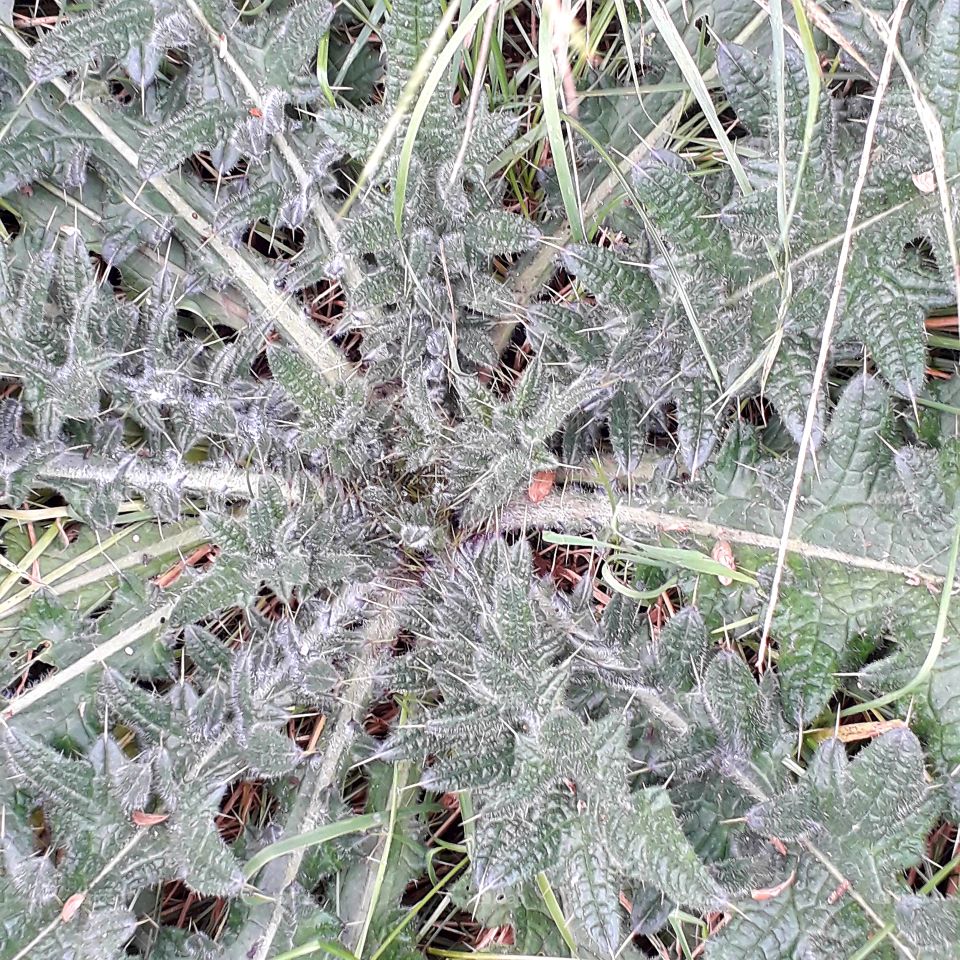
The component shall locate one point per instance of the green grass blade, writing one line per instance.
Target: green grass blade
(556, 914)
(610, 579)
(396, 786)
(811, 61)
(628, 43)
(874, 943)
(417, 907)
(691, 73)
(552, 118)
(780, 98)
(400, 110)
(312, 838)
(570, 540)
(938, 405)
(369, 22)
(652, 555)
(323, 62)
(317, 946)
(691, 560)
(487, 955)
(43, 541)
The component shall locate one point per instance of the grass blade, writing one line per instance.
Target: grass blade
(317, 946)
(691, 560)
(397, 784)
(312, 838)
(628, 43)
(610, 579)
(487, 955)
(417, 907)
(780, 98)
(84, 664)
(811, 62)
(549, 54)
(400, 110)
(691, 73)
(652, 555)
(556, 914)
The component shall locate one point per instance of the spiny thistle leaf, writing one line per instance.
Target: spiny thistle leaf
(864, 819)
(275, 506)
(115, 28)
(553, 788)
(831, 613)
(707, 302)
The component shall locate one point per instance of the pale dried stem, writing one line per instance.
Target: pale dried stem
(580, 512)
(138, 474)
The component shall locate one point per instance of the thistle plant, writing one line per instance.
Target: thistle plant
(337, 622)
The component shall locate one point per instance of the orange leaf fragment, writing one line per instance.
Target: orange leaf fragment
(778, 845)
(768, 893)
(540, 485)
(143, 819)
(71, 906)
